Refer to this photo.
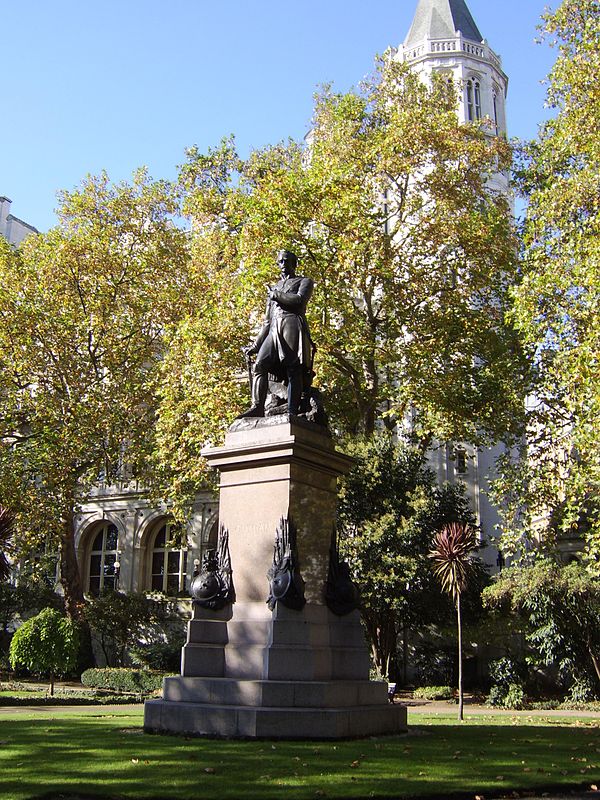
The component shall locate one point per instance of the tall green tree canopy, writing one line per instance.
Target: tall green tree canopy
(389, 511)
(559, 609)
(83, 311)
(557, 304)
(390, 211)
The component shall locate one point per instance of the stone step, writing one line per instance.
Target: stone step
(275, 662)
(272, 722)
(289, 694)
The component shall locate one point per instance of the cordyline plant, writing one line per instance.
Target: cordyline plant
(6, 531)
(453, 565)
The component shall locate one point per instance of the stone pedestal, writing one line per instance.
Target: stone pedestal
(248, 671)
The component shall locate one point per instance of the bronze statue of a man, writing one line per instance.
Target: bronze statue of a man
(283, 346)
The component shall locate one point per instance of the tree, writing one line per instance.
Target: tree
(559, 607)
(47, 644)
(84, 310)
(389, 511)
(390, 211)
(116, 620)
(452, 556)
(553, 488)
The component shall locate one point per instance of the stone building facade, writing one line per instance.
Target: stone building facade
(12, 228)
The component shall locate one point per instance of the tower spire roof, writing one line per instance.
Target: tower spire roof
(441, 19)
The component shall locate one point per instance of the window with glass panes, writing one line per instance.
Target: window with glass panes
(473, 100)
(102, 559)
(169, 564)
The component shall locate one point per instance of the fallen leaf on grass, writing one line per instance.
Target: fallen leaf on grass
(210, 770)
(355, 764)
(135, 761)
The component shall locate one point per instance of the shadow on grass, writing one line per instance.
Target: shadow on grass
(78, 758)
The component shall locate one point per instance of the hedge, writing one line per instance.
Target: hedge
(434, 693)
(138, 681)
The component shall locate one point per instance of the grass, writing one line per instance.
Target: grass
(106, 755)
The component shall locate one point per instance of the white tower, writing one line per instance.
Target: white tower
(444, 38)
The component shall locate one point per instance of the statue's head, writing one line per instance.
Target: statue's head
(287, 262)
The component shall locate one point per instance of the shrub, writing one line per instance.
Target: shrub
(510, 696)
(434, 693)
(116, 619)
(163, 656)
(506, 671)
(47, 644)
(581, 692)
(508, 679)
(136, 681)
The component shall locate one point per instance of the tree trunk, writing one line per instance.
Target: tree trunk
(382, 633)
(51, 685)
(70, 579)
(460, 675)
(595, 662)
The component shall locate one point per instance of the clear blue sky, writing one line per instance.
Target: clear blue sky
(115, 84)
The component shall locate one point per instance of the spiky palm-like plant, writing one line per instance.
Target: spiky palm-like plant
(452, 557)
(6, 530)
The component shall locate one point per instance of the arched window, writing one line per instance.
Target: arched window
(169, 565)
(473, 100)
(103, 555)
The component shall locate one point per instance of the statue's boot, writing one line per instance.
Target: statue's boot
(294, 389)
(260, 384)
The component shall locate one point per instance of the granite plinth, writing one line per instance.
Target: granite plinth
(248, 671)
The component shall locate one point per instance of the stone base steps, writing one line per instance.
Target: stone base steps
(239, 721)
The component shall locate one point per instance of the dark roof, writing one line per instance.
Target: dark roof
(440, 19)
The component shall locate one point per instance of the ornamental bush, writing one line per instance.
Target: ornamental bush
(114, 679)
(46, 644)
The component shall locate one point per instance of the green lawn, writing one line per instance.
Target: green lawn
(106, 754)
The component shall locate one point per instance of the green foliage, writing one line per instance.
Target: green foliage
(389, 510)
(410, 292)
(559, 608)
(84, 311)
(117, 619)
(506, 671)
(47, 644)
(434, 693)
(164, 656)
(508, 677)
(555, 485)
(24, 600)
(581, 692)
(123, 680)
(509, 696)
